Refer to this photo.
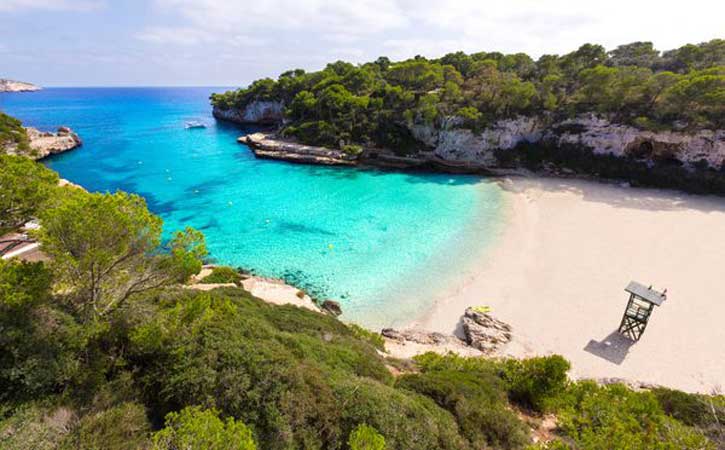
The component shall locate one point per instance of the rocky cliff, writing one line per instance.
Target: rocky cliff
(44, 144)
(273, 147)
(17, 86)
(588, 132)
(257, 112)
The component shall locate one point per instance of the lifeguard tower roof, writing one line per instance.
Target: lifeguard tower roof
(646, 293)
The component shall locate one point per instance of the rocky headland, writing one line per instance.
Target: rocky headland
(272, 146)
(45, 143)
(17, 86)
(586, 145)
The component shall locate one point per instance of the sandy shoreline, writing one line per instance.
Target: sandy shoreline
(558, 272)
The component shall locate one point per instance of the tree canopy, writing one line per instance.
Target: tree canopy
(376, 103)
(24, 187)
(106, 248)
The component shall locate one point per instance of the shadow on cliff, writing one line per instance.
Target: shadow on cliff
(619, 196)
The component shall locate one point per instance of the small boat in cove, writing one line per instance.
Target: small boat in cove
(194, 124)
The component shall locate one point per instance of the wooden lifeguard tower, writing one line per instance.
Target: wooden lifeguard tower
(642, 301)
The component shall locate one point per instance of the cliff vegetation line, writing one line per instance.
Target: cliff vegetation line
(377, 103)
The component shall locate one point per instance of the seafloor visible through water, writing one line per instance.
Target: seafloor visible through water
(384, 244)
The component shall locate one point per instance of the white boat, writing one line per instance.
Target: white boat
(194, 124)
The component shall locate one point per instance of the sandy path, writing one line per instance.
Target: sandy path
(558, 272)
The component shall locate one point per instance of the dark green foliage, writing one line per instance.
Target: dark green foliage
(222, 274)
(264, 365)
(39, 344)
(24, 188)
(121, 427)
(375, 339)
(691, 409)
(478, 402)
(107, 248)
(376, 103)
(614, 416)
(406, 420)
(12, 134)
(536, 382)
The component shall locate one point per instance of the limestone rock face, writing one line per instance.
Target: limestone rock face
(455, 144)
(44, 144)
(408, 343)
(463, 145)
(265, 145)
(605, 137)
(257, 112)
(17, 86)
(452, 143)
(484, 332)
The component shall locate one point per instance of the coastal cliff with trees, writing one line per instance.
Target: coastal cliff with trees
(104, 345)
(635, 113)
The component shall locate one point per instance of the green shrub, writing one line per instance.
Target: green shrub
(13, 133)
(195, 428)
(41, 344)
(263, 364)
(614, 416)
(365, 437)
(407, 420)
(375, 339)
(536, 382)
(35, 425)
(478, 402)
(222, 274)
(691, 409)
(123, 427)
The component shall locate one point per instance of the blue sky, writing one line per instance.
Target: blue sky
(231, 42)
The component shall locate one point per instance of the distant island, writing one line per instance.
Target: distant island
(17, 86)
(633, 113)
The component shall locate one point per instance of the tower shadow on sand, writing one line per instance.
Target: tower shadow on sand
(614, 348)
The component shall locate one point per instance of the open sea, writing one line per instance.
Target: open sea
(384, 244)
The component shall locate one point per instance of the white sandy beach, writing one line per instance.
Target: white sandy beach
(558, 272)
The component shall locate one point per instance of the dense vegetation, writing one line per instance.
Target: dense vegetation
(13, 134)
(100, 348)
(376, 103)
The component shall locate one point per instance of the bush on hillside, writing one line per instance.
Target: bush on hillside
(222, 274)
(536, 382)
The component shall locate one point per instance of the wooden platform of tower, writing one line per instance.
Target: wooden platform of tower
(642, 300)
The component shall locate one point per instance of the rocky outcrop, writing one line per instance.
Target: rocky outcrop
(406, 344)
(331, 307)
(256, 112)
(483, 335)
(604, 137)
(270, 146)
(44, 144)
(453, 144)
(17, 86)
(462, 145)
(484, 332)
(275, 291)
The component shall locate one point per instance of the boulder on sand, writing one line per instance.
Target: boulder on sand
(483, 331)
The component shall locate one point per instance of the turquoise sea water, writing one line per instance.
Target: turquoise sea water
(385, 244)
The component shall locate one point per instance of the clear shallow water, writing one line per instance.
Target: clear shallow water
(385, 244)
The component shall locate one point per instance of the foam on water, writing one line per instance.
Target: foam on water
(385, 244)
